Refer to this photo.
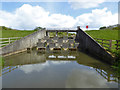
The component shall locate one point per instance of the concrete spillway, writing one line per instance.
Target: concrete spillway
(57, 43)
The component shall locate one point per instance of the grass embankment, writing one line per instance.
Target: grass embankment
(6, 33)
(109, 35)
(104, 34)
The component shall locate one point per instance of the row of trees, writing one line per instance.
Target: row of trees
(104, 27)
(6, 28)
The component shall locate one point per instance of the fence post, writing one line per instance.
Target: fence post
(110, 44)
(117, 45)
(9, 40)
(102, 42)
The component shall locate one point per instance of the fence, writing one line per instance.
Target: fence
(109, 77)
(8, 69)
(109, 44)
(6, 41)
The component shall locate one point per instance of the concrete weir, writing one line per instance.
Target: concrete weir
(22, 44)
(86, 43)
(90, 46)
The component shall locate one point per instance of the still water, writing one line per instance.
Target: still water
(56, 70)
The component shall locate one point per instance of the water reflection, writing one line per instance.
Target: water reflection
(86, 78)
(56, 69)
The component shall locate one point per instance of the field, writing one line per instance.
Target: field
(104, 34)
(6, 33)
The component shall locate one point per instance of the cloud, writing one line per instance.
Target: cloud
(83, 78)
(28, 17)
(98, 17)
(40, 67)
(50, 0)
(24, 18)
(76, 4)
(35, 67)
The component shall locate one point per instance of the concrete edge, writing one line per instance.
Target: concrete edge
(19, 51)
(12, 53)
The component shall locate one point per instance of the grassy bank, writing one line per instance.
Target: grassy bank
(1, 62)
(104, 34)
(109, 35)
(5, 33)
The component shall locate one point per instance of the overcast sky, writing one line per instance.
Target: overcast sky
(67, 14)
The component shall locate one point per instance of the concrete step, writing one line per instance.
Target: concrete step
(57, 43)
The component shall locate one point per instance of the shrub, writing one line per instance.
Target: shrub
(38, 28)
(103, 27)
(116, 28)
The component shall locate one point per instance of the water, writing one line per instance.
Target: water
(56, 70)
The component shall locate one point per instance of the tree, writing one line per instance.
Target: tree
(103, 27)
(4, 28)
(38, 28)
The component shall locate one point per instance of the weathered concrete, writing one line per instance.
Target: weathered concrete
(89, 45)
(41, 45)
(76, 45)
(24, 43)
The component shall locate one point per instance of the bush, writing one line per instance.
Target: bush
(116, 28)
(4, 28)
(103, 27)
(116, 65)
(38, 28)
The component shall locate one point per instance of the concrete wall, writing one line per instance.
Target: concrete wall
(23, 43)
(90, 46)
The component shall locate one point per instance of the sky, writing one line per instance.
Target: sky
(61, 14)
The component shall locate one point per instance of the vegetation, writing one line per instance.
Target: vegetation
(1, 62)
(110, 35)
(104, 34)
(103, 27)
(116, 28)
(38, 28)
(116, 65)
(8, 32)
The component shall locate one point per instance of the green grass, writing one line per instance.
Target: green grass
(1, 62)
(103, 34)
(14, 33)
(109, 35)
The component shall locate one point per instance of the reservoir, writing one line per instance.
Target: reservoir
(59, 69)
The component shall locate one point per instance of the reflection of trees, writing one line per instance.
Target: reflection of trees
(14, 61)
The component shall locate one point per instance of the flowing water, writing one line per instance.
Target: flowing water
(60, 69)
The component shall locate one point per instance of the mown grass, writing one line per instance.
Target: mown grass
(14, 33)
(109, 35)
(104, 34)
(1, 62)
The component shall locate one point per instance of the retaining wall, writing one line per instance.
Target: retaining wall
(23, 43)
(90, 46)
